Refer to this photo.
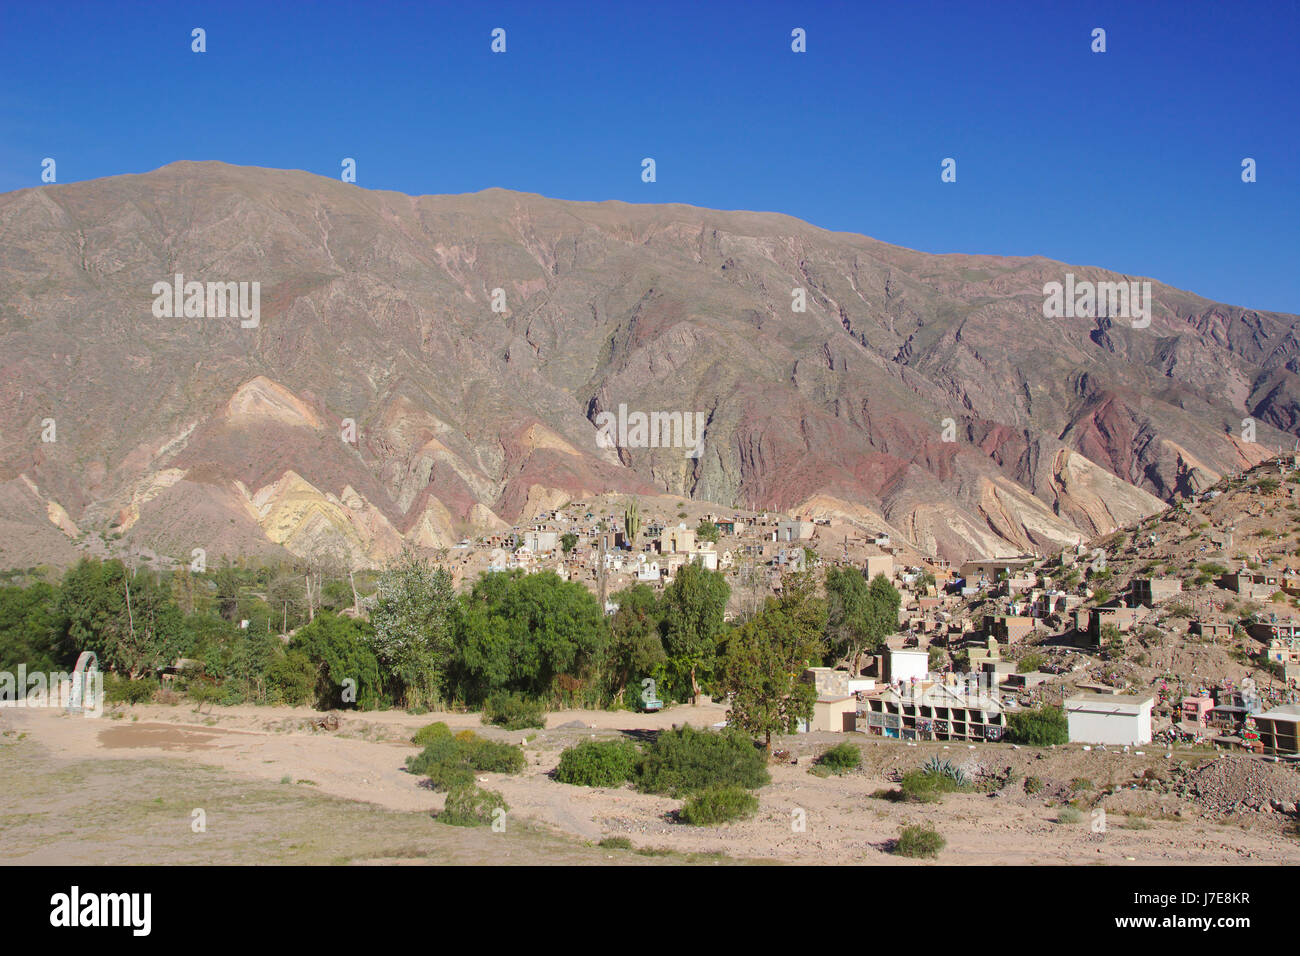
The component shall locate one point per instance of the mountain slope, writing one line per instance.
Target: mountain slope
(376, 307)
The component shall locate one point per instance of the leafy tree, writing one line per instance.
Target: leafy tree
(412, 627)
(340, 648)
(860, 614)
(765, 659)
(708, 531)
(292, 678)
(29, 627)
(519, 632)
(568, 541)
(694, 606)
(846, 619)
(129, 620)
(883, 602)
(636, 645)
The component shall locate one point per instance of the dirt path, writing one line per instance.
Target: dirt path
(802, 817)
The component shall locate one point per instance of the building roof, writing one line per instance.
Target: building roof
(1289, 712)
(1130, 704)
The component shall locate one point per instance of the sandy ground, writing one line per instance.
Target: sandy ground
(362, 765)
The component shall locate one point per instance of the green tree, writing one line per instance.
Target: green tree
(340, 648)
(883, 602)
(636, 642)
(129, 620)
(568, 541)
(765, 658)
(413, 627)
(29, 627)
(519, 632)
(694, 605)
(708, 531)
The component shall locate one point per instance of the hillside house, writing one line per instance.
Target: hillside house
(795, 530)
(1252, 585)
(1211, 630)
(1111, 719)
(1150, 591)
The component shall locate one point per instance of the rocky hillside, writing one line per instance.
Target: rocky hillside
(377, 307)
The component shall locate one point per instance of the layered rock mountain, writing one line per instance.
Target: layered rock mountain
(425, 368)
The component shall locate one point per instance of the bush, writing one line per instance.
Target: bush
(1068, 815)
(471, 806)
(919, 842)
(119, 690)
(428, 734)
(1030, 663)
(204, 693)
(451, 762)
(841, 758)
(513, 711)
(599, 763)
(686, 760)
(927, 786)
(1033, 785)
(1038, 728)
(948, 769)
(718, 805)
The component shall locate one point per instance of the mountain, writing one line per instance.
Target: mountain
(376, 307)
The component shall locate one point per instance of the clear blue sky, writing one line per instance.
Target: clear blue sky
(1129, 159)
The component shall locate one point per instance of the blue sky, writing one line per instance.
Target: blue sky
(1129, 159)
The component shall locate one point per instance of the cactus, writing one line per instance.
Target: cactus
(632, 522)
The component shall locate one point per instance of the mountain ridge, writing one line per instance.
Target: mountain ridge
(377, 307)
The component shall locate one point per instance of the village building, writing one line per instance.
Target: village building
(1151, 591)
(1276, 730)
(1111, 719)
(1253, 586)
(931, 712)
(794, 530)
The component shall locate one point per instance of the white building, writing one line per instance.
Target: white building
(906, 665)
(1113, 719)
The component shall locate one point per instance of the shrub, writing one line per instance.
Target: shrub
(947, 769)
(926, 786)
(204, 693)
(686, 760)
(1038, 728)
(428, 734)
(1081, 783)
(1030, 662)
(451, 762)
(1068, 815)
(119, 690)
(919, 842)
(471, 806)
(598, 763)
(718, 805)
(616, 843)
(841, 758)
(1033, 785)
(513, 711)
